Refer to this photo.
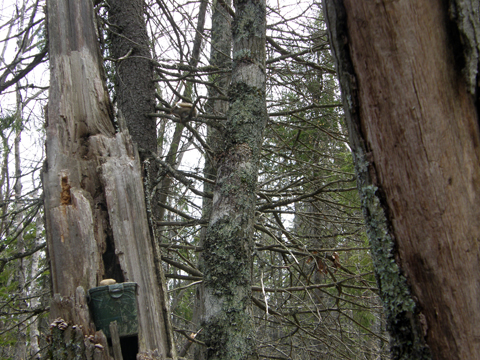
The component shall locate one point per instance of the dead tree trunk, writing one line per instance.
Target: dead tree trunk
(408, 72)
(94, 202)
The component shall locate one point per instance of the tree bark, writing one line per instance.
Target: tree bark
(135, 98)
(220, 56)
(228, 244)
(21, 273)
(134, 86)
(406, 71)
(94, 201)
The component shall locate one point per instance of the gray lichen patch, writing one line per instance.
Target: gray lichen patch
(407, 341)
(466, 17)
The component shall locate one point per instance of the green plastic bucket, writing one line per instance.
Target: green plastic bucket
(115, 302)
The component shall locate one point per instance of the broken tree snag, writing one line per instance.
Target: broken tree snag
(414, 130)
(94, 201)
(122, 178)
(78, 107)
(70, 342)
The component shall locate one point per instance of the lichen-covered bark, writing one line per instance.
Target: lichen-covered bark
(407, 340)
(228, 244)
(220, 56)
(406, 84)
(465, 15)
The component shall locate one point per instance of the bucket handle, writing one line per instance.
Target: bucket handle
(115, 290)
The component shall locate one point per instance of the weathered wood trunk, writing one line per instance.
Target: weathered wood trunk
(228, 243)
(94, 201)
(408, 71)
(135, 101)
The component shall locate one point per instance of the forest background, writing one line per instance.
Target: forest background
(314, 290)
